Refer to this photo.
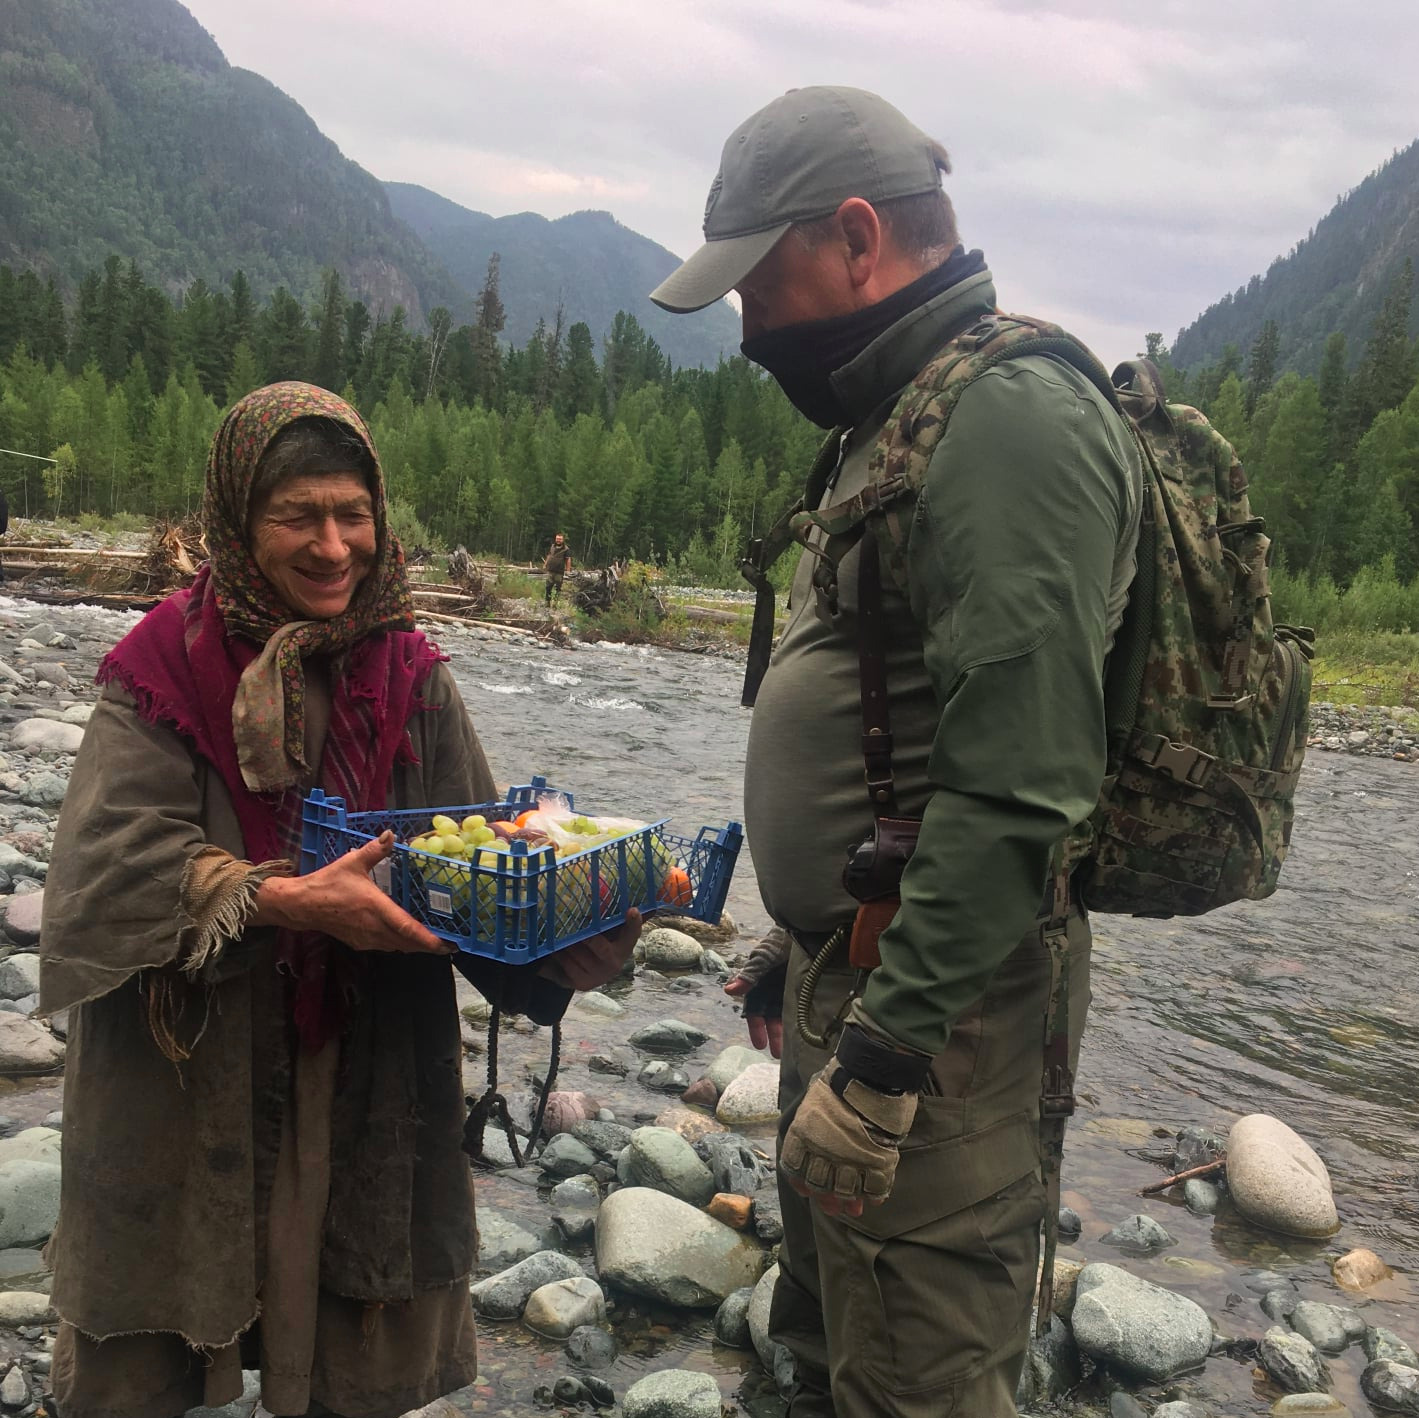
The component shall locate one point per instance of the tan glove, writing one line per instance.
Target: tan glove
(845, 1135)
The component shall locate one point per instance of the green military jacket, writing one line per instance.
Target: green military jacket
(1020, 557)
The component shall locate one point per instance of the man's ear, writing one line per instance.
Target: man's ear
(862, 239)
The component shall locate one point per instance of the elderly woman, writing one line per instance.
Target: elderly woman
(263, 1101)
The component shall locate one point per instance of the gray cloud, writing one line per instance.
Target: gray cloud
(1122, 170)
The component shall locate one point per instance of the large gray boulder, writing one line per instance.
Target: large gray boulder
(1322, 1324)
(503, 1296)
(1138, 1326)
(47, 736)
(1392, 1387)
(29, 1202)
(503, 1241)
(560, 1306)
(666, 949)
(752, 1097)
(1276, 1179)
(1293, 1361)
(673, 1393)
(655, 1245)
(662, 1159)
(668, 1036)
(19, 975)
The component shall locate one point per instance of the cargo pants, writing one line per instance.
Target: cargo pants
(921, 1307)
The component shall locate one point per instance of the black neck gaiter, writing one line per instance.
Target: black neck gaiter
(803, 358)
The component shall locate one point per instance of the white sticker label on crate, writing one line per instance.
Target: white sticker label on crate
(440, 901)
(383, 878)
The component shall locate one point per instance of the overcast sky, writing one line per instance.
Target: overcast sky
(1121, 169)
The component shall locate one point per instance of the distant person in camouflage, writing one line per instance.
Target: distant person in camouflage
(911, 1161)
(557, 564)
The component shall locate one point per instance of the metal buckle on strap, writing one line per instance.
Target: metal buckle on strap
(878, 494)
(1182, 762)
(1057, 1094)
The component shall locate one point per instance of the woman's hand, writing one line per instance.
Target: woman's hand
(341, 901)
(589, 964)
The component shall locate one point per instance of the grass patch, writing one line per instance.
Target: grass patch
(1367, 667)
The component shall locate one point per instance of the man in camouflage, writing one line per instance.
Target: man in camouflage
(829, 219)
(556, 566)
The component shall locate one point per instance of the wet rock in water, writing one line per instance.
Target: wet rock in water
(1179, 1408)
(591, 1347)
(734, 1211)
(712, 963)
(734, 1164)
(1201, 1197)
(613, 1065)
(730, 1063)
(672, 1393)
(1138, 1326)
(665, 1249)
(596, 1004)
(719, 932)
(1383, 1343)
(574, 1206)
(19, 975)
(1393, 1387)
(1260, 1281)
(690, 1124)
(565, 1110)
(1070, 1226)
(1139, 1233)
(24, 1307)
(700, 1094)
(664, 1077)
(751, 1098)
(662, 1159)
(1280, 1304)
(606, 1140)
(760, 1303)
(502, 1296)
(1276, 1179)
(1293, 1361)
(24, 917)
(1355, 1324)
(570, 1391)
(503, 1242)
(1311, 1403)
(1359, 1269)
(668, 949)
(1323, 1325)
(559, 1307)
(731, 1320)
(564, 1156)
(1051, 1367)
(599, 1391)
(670, 1036)
(29, 1202)
(46, 736)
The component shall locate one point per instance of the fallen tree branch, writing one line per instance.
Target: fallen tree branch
(1208, 1169)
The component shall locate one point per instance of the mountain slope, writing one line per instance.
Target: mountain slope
(587, 260)
(123, 128)
(1333, 280)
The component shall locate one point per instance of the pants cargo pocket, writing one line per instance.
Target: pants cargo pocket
(940, 1315)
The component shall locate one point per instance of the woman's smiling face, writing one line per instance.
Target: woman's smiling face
(314, 540)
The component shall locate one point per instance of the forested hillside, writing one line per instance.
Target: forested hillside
(123, 129)
(1333, 459)
(586, 264)
(492, 447)
(1333, 282)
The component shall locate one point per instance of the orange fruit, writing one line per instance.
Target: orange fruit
(521, 819)
(675, 890)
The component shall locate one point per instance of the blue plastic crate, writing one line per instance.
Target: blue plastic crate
(531, 903)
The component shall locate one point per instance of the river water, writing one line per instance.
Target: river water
(1304, 1006)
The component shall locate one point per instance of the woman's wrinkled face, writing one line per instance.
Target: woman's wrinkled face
(314, 541)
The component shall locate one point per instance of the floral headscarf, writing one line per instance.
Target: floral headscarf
(268, 717)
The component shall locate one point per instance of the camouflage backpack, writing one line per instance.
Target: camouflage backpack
(1206, 699)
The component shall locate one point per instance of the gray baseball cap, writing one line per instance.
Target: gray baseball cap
(799, 158)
